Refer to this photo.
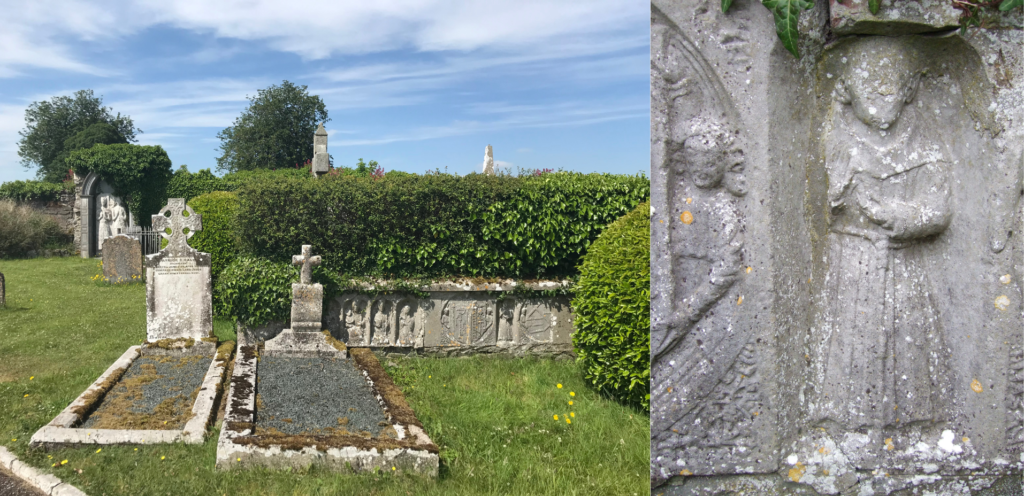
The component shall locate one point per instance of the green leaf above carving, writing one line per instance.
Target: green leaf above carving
(873, 6)
(787, 17)
(728, 3)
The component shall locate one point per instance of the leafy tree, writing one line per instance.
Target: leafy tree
(96, 134)
(50, 126)
(139, 174)
(276, 130)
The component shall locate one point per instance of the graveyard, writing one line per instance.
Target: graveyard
(128, 381)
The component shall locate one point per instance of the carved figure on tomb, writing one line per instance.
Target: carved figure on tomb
(118, 217)
(879, 338)
(103, 230)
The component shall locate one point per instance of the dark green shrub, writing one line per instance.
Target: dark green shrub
(188, 185)
(436, 224)
(612, 305)
(34, 190)
(254, 290)
(218, 234)
(23, 230)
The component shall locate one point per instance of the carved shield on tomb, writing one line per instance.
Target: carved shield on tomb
(536, 323)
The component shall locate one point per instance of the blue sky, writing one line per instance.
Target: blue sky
(413, 84)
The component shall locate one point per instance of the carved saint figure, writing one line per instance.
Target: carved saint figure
(118, 217)
(879, 339)
(104, 218)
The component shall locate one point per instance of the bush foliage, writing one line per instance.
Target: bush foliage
(254, 290)
(23, 230)
(217, 237)
(436, 224)
(188, 185)
(612, 305)
(34, 190)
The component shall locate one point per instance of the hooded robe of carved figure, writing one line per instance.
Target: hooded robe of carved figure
(878, 336)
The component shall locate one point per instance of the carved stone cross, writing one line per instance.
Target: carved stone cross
(172, 217)
(307, 262)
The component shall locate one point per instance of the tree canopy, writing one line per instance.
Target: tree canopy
(276, 131)
(52, 126)
(139, 174)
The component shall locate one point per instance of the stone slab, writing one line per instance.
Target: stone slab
(895, 17)
(61, 430)
(239, 447)
(122, 259)
(307, 307)
(292, 343)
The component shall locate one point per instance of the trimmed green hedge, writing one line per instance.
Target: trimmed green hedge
(34, 190)
(612, 305)
(218, 234)
(254, 290)
(435, 225)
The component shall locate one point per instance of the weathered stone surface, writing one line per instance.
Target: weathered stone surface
(303, 337)
(894, 17)
(836, 255)
(453, 320)
(307, 307)
(321, 160)
(122, 259)
(3, 290)
(179, 292)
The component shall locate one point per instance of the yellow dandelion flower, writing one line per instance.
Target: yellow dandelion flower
(568, 421)
(162, 457)
(63, 462)
(136, 449)
(238, 459)
(429, 376)
(31, 377)
(101, 449)
(26, 396)
(50, 456)
(559, 386)
(572, 414)
(571, 393)
(556, 417)
(570, 402)
(14, 440)
(392, 468)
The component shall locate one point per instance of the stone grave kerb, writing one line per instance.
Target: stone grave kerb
(179, 289)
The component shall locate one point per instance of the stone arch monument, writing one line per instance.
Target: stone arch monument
(98, 214)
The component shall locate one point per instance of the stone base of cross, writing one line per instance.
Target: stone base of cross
(304, 336)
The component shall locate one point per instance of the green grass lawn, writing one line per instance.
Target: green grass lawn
(493, 418)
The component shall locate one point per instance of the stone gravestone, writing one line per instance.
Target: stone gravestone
(321, 160)
(304, 337)
(122, 259)
(3, 290)
(836, 252)
(178, 288)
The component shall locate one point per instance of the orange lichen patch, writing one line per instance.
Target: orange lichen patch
(888, 444)
(739, 301)
(689, 201)
(822, 450)
(749, 269)
(1002, 302)
(1005, 279)
(686, 217)
(669, 390)
(685, 472)
(797, 472)
(824, 471)
(976, 386)
(966, 439)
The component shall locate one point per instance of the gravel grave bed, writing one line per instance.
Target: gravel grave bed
(10, 485)
(315, 396)
(156, 392)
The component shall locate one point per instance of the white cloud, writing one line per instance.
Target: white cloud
(41, 34)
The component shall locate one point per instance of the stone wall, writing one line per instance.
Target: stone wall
(61, 210)
(454, 319)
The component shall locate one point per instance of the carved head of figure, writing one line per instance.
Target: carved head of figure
(881, 76)
(710, 158)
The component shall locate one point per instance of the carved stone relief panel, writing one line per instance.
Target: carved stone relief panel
(356, 324)
(407, 326)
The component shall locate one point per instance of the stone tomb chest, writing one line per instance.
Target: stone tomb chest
(164, 390)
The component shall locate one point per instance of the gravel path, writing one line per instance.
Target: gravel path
(312, 395)
(148, 383)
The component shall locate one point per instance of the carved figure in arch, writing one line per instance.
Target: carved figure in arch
(118, 217)
(104, 218)
(356, 321)
(878, 336)
(406, 323)
(382, 332)
(697, 160)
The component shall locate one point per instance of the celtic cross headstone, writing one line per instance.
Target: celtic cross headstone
(179, 302)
